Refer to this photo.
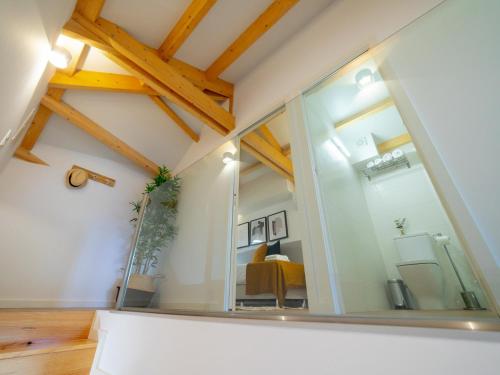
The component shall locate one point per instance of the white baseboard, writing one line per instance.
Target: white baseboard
(46, 303)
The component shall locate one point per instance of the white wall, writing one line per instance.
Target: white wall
(64, 247)
(69, 245)
(342, 31)
(28, 28)
(195, 264)
(160, 344)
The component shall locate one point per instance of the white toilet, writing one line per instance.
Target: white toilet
(420, 270)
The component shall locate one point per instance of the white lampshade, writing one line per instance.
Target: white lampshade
(364, 78)
(60, 57)
(227, 157)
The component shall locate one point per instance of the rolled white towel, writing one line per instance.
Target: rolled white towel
(281, 257)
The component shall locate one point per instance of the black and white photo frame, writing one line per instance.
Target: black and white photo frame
(243, 235)
(277, 226)
(258, 231)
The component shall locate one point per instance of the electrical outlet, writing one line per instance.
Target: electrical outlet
(5, 138)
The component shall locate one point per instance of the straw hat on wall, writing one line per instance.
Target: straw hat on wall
(76, 178)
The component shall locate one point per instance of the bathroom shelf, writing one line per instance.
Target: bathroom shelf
(386, 166)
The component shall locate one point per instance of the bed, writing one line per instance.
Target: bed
(273, 281)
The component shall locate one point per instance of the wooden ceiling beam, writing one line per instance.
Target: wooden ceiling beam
(26, 155)
(74, 30)
(165, 91)
(98, 132)
(77, 61)
(253, 167)
(268, 155)
(184, 27)
(269, 136)
(263, 23)
(268, 162)
(199, 78)
(175, 118)
(392, 143)
(40, 120)
(143, 57)
(377, 107)
(87, 80)
(90, 9)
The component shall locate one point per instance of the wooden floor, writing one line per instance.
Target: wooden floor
(48, 342)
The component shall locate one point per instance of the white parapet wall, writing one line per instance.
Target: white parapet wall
(140, 343)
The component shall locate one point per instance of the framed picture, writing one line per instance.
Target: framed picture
(258, 231)
(277, 225)
(243, 235)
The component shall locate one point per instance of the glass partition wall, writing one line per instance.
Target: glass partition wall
(335, 204)
(191, 271)
(391, 240)
(270, 271)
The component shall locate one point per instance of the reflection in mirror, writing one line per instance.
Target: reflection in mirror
(270, 271)
(392, 242)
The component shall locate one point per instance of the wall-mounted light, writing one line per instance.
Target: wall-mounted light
(364, 78)
(60, 57)
(227, 157)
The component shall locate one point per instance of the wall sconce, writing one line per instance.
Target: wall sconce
(227, 157)
(364, 78)
(60, 57)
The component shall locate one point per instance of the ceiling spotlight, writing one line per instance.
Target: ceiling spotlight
(60, 57)
(364, 78)
(227, 157)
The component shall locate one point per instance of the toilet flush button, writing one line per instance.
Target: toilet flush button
(5, 138)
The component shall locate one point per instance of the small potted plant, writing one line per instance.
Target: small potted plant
(157, 230)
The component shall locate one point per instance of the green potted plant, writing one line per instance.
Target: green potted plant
(157, 229)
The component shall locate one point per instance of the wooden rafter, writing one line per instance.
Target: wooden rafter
(263, 23)
(184, 27)
(102, 81)
(91, 9)
(175, 118)
(197, 77)
(26, 155)
(98, 132)
(164, 91)
(285, 150)
(267, 154)
(77, 61)
(269, 136)
(183, 91)
(86, 80)
(394, 142)
(39, 121)
(377, 107)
